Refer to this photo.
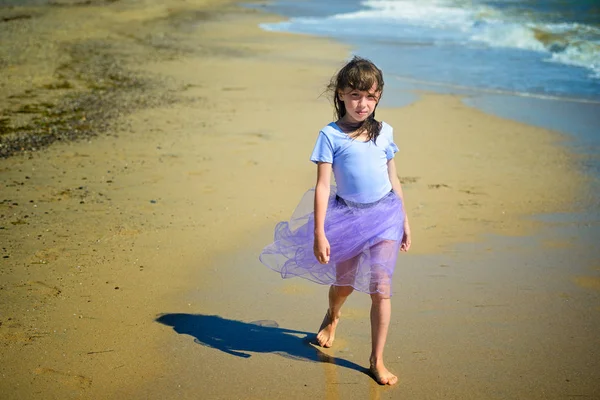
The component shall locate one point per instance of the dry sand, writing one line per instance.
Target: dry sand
(167, 210)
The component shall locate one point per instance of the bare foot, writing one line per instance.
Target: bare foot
(326, 333)
(382, 375)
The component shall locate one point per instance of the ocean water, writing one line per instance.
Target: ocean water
(534, 61)
(544, 48)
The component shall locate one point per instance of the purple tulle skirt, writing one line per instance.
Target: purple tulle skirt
(364, 239)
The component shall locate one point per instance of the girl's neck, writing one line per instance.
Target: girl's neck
(349, 126)
(352, 129)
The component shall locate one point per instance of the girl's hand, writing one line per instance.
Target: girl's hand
(321, 249)
(405, 244)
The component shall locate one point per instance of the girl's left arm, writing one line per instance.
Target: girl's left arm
(397, 187)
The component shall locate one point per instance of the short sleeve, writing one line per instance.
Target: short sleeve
(391, 148)
(323, 151)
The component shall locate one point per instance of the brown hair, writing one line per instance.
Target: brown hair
(358, 74)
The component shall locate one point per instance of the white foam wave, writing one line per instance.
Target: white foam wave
(570, 44)
(464, 21)
(582, 55)
(499, 34)
(433, 13)
(567, 43)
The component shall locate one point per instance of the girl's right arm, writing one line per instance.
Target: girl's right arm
(321, 244)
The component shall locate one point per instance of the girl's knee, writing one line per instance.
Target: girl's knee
(343, 291)
(379, 297)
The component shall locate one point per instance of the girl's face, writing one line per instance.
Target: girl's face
(359, 104)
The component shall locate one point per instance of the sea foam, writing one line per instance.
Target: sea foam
(466, 22)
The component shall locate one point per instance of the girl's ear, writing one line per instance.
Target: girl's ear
(340, 95)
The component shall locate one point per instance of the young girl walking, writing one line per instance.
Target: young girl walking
(348, 236)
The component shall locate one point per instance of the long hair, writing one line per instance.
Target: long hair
(358, 74)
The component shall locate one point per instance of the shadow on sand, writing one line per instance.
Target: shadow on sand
(239, 338)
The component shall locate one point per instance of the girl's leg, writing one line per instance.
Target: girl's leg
(381, 311)
(337, 297)
(383, 255)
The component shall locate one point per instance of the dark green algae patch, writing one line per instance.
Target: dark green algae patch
(90, 92)
(93, 83)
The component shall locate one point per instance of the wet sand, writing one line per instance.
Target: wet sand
(195, 149)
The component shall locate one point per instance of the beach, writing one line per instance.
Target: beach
(151, 147)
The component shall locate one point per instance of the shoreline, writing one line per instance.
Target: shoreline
(103, 235)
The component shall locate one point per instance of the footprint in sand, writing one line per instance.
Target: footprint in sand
(469, 203)
(45, 256)
(15, 333)
(233, 89)
(267, 323)
(41, 288)
(76, 381)
(438, 186)
(260, 135)
(153, 179)
(472, 191)
(408, 179)
(119, 232)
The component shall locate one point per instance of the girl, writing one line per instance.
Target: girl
(350, 239)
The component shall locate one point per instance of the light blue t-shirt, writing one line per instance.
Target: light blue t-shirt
(359, 168)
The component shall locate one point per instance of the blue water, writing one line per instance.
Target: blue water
(535, 61)
(543, 48)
